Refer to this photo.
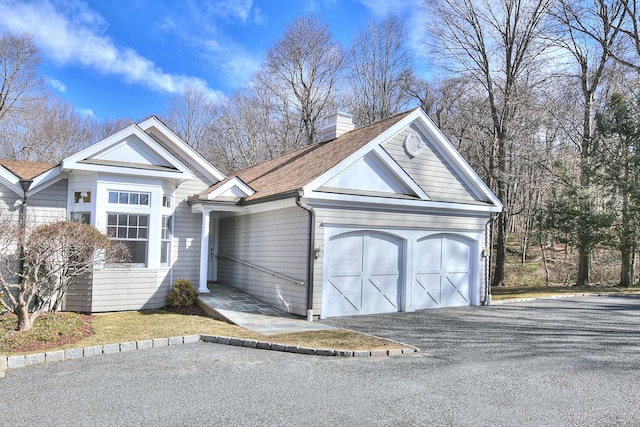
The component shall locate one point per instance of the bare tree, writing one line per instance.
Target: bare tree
(589, 33)
(190, 115)
(304, 67)
(499, 44)
(242, 133)
(38, 269)
(19, 62)
(49, 130)
(380, 69)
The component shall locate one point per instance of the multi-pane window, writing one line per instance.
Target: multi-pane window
(129, 198)
(132, 231)
(166, 201)
(165, 240)
(82, 197)
(81, 217)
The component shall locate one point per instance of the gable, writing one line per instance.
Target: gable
(130, 152)
(428, 166)
(369, 175)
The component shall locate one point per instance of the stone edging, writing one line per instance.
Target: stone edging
(13, 362)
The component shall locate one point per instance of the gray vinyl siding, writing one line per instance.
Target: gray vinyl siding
(429, 170)
(79, 295)
(49, 205)
(9, 204)
(429, 221)
(130, 289)
(275, 240)
(187, 232)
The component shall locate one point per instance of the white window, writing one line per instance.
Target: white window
(133, 231)
(166, 201)
(129, 198)
(82, 217)
(82, 197)
(165, 240)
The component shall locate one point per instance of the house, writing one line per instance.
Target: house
(385, 218)
(134, 186)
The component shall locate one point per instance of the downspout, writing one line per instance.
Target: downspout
(487, 288)
(311, 255)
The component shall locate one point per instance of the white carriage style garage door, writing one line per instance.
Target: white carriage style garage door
(363, 274)
(442, 272)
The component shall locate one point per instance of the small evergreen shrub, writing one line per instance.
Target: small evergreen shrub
(183, 294)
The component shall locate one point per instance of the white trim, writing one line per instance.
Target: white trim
(184, 149)
(347, 200)
(76, 161)
(204, 252)
(400, 173)
(200, 207)
(233, 182)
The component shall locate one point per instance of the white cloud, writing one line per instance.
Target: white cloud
(86, 112)
(57, 84)
(199, 27)
(71, 33)
(232, 9)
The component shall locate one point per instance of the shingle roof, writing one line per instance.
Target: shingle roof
(291, 172)
(26, 170)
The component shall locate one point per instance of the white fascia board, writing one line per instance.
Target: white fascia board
(200, 207)
(234, 182)
(46, 179)
(399, 173)
(74, 162)
(119, 170)
(271, 206)
(10, 180)
(194, 158)
(389, 204)
(460, 165)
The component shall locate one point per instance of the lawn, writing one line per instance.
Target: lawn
(506, 293)
(68, 330)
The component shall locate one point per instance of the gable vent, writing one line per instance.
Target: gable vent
(337, 124)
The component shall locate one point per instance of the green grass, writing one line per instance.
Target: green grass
(506, 293)
(65, 330)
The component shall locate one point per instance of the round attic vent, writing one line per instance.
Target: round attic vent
(413, 144)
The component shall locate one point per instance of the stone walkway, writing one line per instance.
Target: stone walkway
(234, 306)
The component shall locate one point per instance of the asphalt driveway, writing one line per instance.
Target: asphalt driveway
(561, 362)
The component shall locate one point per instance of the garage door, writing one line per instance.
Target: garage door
(363, 274)
(443, 272)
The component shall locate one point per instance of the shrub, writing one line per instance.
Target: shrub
(183, 294)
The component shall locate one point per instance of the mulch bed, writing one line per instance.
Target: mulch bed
(84, 331)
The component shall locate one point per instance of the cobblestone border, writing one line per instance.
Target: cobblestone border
(14, 362)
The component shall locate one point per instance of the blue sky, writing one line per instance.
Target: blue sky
(127, 58)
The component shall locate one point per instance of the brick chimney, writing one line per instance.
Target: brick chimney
(337, 124)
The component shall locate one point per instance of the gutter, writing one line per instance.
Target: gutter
(311, 255)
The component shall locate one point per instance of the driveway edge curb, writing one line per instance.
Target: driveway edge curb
(14, 362)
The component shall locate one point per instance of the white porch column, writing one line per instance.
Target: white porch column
(204, 252)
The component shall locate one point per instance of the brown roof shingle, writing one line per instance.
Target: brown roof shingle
(291, 172)
(26, 170)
